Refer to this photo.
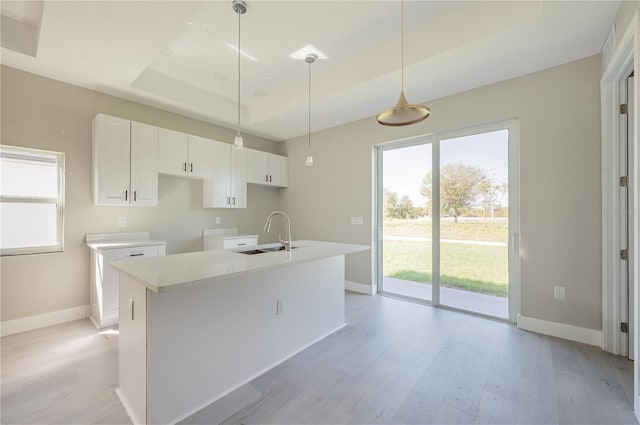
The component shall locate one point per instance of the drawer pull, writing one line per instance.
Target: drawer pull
(136, 255)
(241, 244)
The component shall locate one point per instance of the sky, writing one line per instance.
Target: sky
(404, 168)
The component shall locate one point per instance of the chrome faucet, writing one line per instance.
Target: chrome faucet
(287, 242)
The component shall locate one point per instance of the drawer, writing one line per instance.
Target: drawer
(239, 242)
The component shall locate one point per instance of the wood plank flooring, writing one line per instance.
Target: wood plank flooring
(395, 362)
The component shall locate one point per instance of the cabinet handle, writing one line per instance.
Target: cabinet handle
(270, 179)
(126, 193)
(266, 177)
(135, 196)
(241, 244)
(185, 167)
(192, 167)
(234, 200)
(136, 255)
(132, 308)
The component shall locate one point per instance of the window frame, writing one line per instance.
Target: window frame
(58, 201)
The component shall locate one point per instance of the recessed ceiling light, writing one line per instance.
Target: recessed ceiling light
(306, 50)
(220, 76)
(260, 94)
(189, 23)
(204, 25)
(242, 52)
(269, 78)
(84, 62)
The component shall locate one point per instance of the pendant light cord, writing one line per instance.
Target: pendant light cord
(239, 73)
(402, 44)
(309, 105)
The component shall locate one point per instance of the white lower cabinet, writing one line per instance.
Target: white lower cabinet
(228, 187)
(105, 282)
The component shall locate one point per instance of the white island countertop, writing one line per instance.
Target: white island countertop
(170, 272)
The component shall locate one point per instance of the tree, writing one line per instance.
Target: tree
(426, 192)
(390, 203)
(488, 192)
(406, 209)
(394, 208)
(459, 188)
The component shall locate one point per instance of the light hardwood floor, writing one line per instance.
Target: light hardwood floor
(395, 362)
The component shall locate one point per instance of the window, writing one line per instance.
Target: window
(31, 201)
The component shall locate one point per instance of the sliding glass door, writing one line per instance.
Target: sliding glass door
(447, 221)
(406, 225)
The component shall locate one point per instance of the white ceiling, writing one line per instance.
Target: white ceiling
(174, 55)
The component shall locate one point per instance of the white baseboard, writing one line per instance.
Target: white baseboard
(359, 287)
(24, 324)
(561, 330)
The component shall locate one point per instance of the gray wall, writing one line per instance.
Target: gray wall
(559, 115)
(42, 113)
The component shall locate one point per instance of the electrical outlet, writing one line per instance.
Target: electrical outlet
(122, 221)
(218, 220)
(558, 293)
(280, 307)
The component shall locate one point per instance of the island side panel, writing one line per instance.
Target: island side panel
(206, 340)
(132, 349)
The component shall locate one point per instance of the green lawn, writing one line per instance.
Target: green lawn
(475, 268)
(475, 229)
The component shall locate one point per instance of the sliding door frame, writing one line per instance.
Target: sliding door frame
(512, 126)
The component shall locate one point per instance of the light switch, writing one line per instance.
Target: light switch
(357, 220)
(122, 221)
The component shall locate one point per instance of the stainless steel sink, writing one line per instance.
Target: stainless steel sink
(264, 250)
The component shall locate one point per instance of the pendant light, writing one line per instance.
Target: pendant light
(240, 8)
(310, 58)
(403, 113)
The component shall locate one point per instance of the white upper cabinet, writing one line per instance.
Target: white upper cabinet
(124, 162)
(267, 169)
(185, 155)
(173, 152)
(228, 187)
(200, 157)
(144, 164)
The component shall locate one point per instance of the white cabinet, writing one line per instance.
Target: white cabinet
(125, 162)
(226, 239)
(267, 169)
(239, 242)
(105, 279)
(228, 187)
(184, 155)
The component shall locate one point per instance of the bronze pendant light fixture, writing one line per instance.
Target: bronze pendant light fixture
(403, 113)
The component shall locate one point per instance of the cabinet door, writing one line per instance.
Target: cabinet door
(111, 144)
(144, 164)
(257, 167)
(238, 178)
(173, 152)
(278, 170)
(200, 157)
(216, 190)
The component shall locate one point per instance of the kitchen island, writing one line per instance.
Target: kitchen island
(196, 326)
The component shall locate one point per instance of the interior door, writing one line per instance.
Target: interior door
(625, 222)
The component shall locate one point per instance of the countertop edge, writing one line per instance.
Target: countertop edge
(346, 250)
